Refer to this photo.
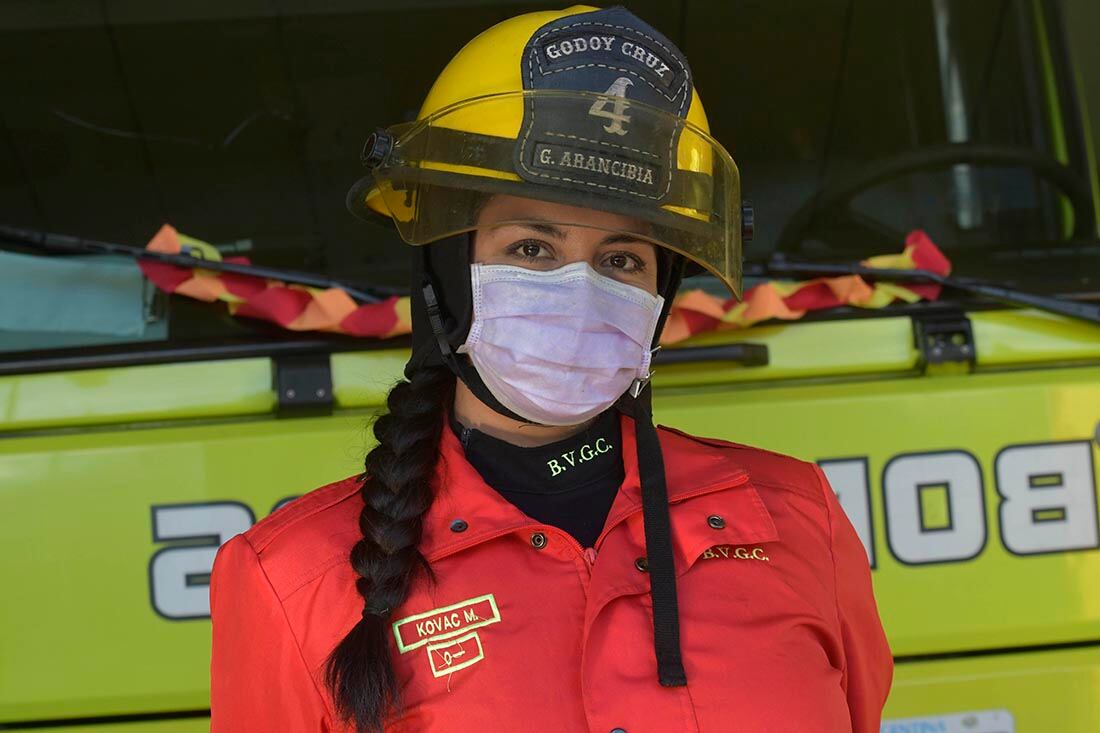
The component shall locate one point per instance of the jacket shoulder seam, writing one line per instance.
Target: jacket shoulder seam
(728, 444)
(314, 572)
(793, 488)
(264, 532)
(803, 491)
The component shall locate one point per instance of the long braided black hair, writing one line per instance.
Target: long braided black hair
(396, 491)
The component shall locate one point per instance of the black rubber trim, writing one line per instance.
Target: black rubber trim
(105, 720)
(61, 360)
(996, 651)
(745, 354)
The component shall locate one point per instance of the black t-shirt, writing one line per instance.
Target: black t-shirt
(569, 484)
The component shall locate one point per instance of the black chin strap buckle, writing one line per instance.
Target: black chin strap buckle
(435, 317)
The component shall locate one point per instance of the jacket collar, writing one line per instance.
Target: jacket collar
(692, 468)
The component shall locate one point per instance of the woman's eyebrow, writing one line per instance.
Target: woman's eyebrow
(543, 228)
(620, 238)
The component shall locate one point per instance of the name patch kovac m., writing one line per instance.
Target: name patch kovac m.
(449, 633)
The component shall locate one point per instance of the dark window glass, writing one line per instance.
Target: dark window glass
(846, 116)
(241, 125)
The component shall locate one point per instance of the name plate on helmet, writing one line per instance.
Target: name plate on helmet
(612, 128)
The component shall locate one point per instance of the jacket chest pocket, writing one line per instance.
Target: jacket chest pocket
(730, 525)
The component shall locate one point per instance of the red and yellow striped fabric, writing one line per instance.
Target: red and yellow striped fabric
(294, 307)
(695, 311)
(303, 308)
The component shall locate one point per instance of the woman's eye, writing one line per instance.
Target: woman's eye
(623, 261)
(530, 249)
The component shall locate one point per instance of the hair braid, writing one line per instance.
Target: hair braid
(396, 491)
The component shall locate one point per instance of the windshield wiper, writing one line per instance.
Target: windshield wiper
(65, 243)
(779, 266)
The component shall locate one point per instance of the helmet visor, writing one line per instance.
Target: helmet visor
(674, 184)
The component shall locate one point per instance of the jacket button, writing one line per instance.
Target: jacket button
(459, 525)
(618, 730)
(538, 540)
(716, 521)
(642, 564)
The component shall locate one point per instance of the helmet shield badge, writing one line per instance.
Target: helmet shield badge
(603, 145)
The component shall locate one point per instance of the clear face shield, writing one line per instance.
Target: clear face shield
(667, 178)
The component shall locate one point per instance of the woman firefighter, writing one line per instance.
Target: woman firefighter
(525, 550)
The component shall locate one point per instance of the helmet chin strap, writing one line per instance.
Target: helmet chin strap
(658, 538)
(441, 313)
(459, 365)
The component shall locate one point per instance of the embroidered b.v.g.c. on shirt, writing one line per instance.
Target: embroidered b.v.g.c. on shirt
(569, 484)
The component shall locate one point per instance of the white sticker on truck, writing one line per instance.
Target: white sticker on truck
(976, 721)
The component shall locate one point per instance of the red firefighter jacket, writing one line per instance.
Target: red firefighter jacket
(525, 630)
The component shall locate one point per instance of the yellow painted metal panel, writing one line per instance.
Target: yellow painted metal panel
(135, 394)
(1055, 691)
(819, 350)
(1025, 336)
(364, 378)
(98, 614)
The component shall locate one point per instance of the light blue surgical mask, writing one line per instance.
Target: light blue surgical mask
(558, 347)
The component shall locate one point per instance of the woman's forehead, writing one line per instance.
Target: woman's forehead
(505, 208)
